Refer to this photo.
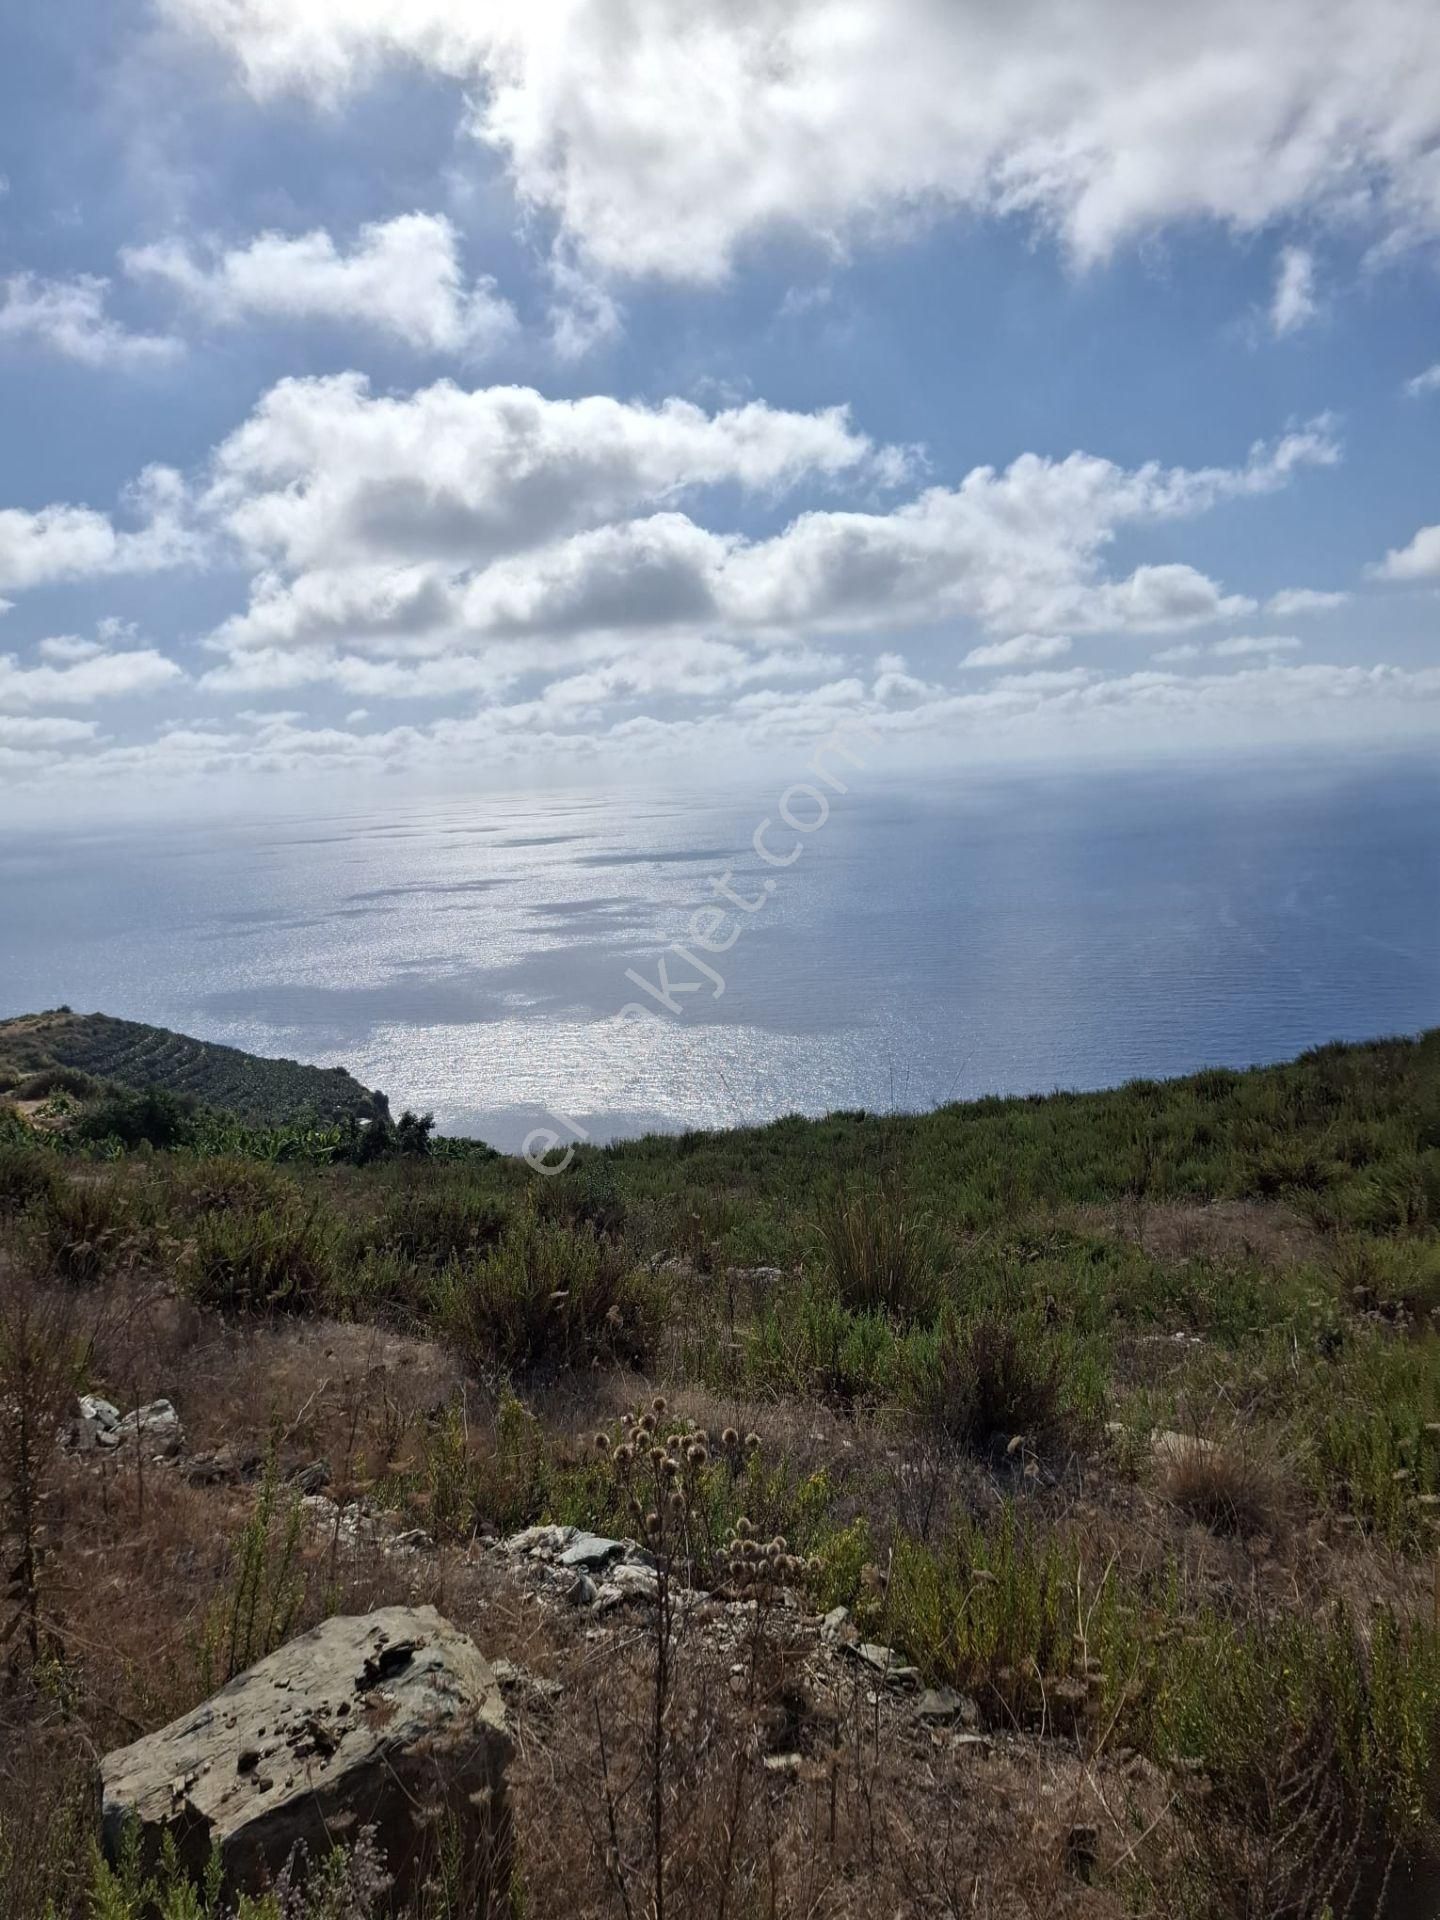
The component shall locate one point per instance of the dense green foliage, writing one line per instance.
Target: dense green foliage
(60, 1051)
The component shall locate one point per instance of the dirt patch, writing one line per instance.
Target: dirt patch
(1178, 1230)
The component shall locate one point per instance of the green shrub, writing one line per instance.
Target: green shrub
(151, 1117)
(549, 1297)
(1007, 1617)
(987, 1381)
(227, 1183)
(84, 1229)
(27, 1174)
(431, 1222)
(53, 1080)
(807, 1343)
(276, 1260)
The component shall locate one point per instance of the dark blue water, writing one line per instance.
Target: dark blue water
(925, 943)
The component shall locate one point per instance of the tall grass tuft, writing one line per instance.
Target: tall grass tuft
(881, 1253)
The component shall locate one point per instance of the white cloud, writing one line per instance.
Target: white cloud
(1420, 560)
(402, 277)
(68, 647)
(1424, 383)
(104, 676)
(661, 137)
(1247, 645)
(1293, 304)
(68, 317)
(497, 522)
(1272, 702)
(325, 473)
(1294, 600)
(1242, 646)
(1024, 648)
(46, 731)
(62, 542)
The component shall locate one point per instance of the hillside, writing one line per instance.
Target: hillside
(1045, 1490)
(132, 1054)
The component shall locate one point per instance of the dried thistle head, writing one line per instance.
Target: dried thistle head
(730, 1438)
(659, 1404)
(677, 1504)
(646, 1423)
(652, 1525)
(602, 1443)
(752, 1443)
(744, 1527)
(624, 1454)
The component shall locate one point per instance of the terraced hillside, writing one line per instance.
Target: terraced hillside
(132, 1054)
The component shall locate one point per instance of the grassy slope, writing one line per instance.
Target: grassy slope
(982, 1314)
(136, 1055)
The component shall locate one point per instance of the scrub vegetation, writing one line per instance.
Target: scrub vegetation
(1118, 1413)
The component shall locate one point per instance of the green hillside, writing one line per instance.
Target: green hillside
(131, 1054)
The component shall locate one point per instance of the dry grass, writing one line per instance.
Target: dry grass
(1226, 1487)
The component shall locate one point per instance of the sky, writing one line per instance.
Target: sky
(475, 393)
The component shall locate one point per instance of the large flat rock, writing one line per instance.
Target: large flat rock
(390, 1719)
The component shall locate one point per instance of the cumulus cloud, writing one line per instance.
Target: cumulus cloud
(325, 472)
(24, 733)
(1420, 560)
(1293, 304)
(455, 521)
(1024, 649)
(1424, 383)
(1298, 600)
(63, 542)
(1241, 646)
(100, 676)
(401, 277)
(68, 318)
(661, 137)
(1246, 645)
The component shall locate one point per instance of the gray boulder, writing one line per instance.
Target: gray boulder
(390, 1720)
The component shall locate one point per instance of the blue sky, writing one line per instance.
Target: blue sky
(468, 392)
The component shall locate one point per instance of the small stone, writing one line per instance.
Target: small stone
(591, 1553)
(98, 1424)
(836, 1627)
(943, 1706)
(158, 1423)
(889, 1664)
(626, 1582)
(545, 1543)
(312, 1477)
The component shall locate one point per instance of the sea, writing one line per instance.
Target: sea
(606, 962)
